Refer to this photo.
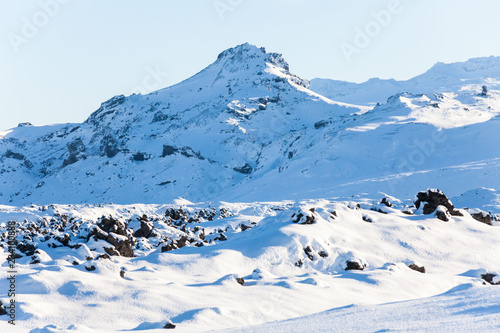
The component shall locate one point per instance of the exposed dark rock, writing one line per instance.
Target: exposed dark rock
(299, 263)
(90, 268)
(431, 199)
(109, 146)
(221, 237)
(146, 230)
(300, 218)
(17, 156)
(246, 169)
(169, 325)
(122, 274)
(442, 213)
(103, 256)
(309, 252)
(386, 202)
(321, 124)
(354, 265)
(139, 157)
(488, 277)
(240, 281)
(2, 309)
(482, 217)
(26, 248)
(417, 268)
(323, 254)
(366, 218)
(159, 116)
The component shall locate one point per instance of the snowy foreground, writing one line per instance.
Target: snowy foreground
(255, 267)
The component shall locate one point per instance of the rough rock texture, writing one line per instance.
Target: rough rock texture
(431, 199)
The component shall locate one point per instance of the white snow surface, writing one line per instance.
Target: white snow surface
(196, 287)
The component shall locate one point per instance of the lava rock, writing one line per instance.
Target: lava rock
(442, 213)
(169, 325)
(2, 309)
(246, 169)
(482, 217)
(354, 265)
(417, 268)
(323, 254)
(309, 252)
(386, 202)
(431, 199)
(304, 217)
(488, 277)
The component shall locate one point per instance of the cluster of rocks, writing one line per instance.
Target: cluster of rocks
(304, 216)
(122, 236)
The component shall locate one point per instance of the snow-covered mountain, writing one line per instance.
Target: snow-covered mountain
(242, 128)
(292, 205)
(461, 77)
(237, 119)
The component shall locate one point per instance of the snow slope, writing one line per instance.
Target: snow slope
(242, 198)
(468, 77)
(289, 269)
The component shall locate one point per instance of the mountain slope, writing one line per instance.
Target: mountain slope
(237, 117)
(465, 77)
(245, 128)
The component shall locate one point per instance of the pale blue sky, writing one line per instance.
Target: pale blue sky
(87, 51)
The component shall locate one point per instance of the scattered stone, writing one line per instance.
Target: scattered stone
(386, 202)
(483, 217)
(103, 256)
(442, 213)
(490, 278)
(431, 199)
(323, 254)
(169, 325)
(417, 268)
(354, 265)
(122, 274)
(309, 252)
(299, 263)
(90, 268)
(304, 217)
(2, 309)
(246, 169)
(240, 280)
(366, 218)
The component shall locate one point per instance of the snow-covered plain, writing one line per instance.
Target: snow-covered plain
(241, 200)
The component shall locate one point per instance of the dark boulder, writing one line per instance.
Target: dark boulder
(431, 199)
(354, 265)
(304, 217)
(169, 325)
(482, 217)
(246, 169)
(417, 268)
(488, 277)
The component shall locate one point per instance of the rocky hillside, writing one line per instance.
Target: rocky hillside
(245, 128)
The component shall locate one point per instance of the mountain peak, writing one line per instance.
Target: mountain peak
(246, 52)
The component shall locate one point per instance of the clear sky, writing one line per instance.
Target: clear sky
(61, 58)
